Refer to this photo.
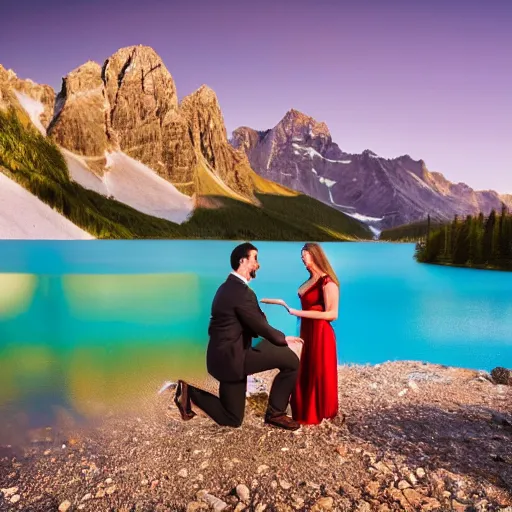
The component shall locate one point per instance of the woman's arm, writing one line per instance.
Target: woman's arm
(331, 298)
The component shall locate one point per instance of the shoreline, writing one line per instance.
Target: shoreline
(417, 436)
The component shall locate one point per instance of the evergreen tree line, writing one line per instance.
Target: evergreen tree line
(476, 241)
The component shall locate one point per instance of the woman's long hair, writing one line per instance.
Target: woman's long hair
(320, 260)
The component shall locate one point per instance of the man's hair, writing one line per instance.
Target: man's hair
(239, 252)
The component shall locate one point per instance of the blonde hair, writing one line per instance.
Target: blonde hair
(320, 260)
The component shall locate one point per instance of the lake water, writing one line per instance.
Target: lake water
(89, 325)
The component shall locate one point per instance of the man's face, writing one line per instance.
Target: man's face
(251, 263)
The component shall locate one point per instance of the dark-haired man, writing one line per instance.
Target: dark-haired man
(236, 318)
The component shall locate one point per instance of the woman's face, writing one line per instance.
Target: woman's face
(307, 259)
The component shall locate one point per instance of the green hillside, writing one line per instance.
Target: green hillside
(408, 232)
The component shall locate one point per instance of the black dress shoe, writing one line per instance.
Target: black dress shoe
(182, 401)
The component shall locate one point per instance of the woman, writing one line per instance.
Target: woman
(316, 393)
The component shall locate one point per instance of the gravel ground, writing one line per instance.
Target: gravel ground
(416, 437)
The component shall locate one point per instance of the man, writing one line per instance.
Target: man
(236, 319)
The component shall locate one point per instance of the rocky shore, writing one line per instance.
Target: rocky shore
(416, 437)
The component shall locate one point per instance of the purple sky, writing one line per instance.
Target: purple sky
(429, 78)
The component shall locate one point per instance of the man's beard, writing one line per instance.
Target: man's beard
(252, 273)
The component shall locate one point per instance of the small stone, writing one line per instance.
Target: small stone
(8, 492)
(15, 498)
(100, 493)
(81, 507)
(373, 488)
(47, 452)
(342, 450)
(64, 506)
(403, 392)
(239, 507)
(413, 497)
(420, 473)
(204, 464)
(403, 484)
(430, 504)
(111, 490)
(412, 479)
(260, 507)
(243, 492)
(298, 503)
(183, 473)
(325, 503)
(413, 386)
(194, 506)
(284, 484)
(144, 482)
(87, 497)
(457, 506)
(262, 469)
(154, 483)
(364, 506)
(108, 481)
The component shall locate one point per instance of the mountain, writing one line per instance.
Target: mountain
(299, 153)
(121, 158)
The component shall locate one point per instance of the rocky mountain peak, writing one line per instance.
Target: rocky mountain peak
(298, 124)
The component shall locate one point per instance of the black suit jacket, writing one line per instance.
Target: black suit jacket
(236, 319)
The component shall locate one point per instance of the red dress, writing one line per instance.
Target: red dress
(316, 392)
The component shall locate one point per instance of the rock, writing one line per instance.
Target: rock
(413, 386)
(80, 124)
(260, 507)
(154, 483)
(413, 497)
(111, 490)
(325, 503)
(64, 506)
(458, 507)
(501, 375)
(402, 393)
(144, 482)
(364, 506)
(15, 498)
(215, 503)
(412, 479)
(100, 493)
(108, 481)
(183, 473)
(373, 488)
(194, 506)
(86, 497)
(403, 484)
(240, 506)
(262, 469)
(430, 504)
(420, 473)
(9, 491)
(243, 492)
(284, 484)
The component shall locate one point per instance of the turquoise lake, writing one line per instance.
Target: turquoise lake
(91, 323)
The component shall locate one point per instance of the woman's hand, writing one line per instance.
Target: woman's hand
(294, 312)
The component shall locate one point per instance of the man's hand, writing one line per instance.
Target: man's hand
(293, 339)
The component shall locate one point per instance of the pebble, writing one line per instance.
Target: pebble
(403, 485)
(100, 493)
(420, 473)
(413, 386)
(15, 498)
(87, 497)
(325, 503)
(243, 492)
(111, 490)
(284, 484)
(262, 469)
(108, 481)
(8, 492)
(183, 473)
(64, 506)
(403, 392)
(260, 507)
